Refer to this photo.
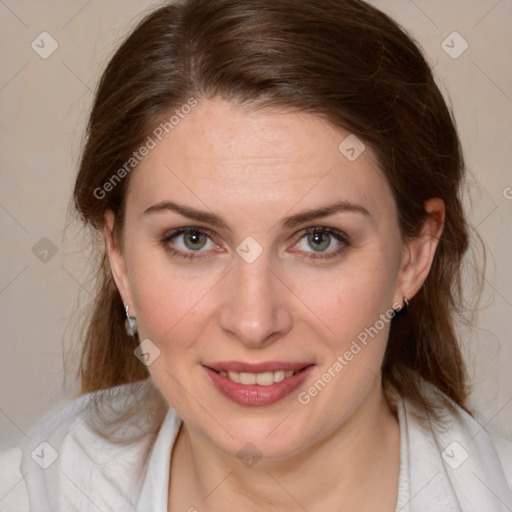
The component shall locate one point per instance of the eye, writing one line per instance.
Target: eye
(322, 240)
(187, 241)
(190, 242)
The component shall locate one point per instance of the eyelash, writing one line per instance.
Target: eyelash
(338, 235)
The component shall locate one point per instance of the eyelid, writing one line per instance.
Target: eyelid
(188, 229)
(326, 229)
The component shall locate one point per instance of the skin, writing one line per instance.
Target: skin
(341, 450)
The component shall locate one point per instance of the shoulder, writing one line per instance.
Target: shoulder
(488, 448)
(90, 446)
(470, 464)
(503, 448)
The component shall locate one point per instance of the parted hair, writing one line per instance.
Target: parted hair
(343, 60)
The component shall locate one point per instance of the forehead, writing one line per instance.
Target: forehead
(227, 155)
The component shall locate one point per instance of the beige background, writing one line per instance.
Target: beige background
(44, 106)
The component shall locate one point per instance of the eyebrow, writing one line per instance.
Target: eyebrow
(288, 222)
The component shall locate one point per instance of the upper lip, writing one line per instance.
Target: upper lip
(268, 366)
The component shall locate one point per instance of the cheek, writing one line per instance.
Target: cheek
(354, 296)
(169, 298)
(356, 305)
(358, 312)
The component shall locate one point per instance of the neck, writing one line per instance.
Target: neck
(356, 466)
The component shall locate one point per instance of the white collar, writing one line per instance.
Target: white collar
(155, 490)
(432, 476)
(449, 467)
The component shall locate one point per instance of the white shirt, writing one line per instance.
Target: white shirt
(461, 468)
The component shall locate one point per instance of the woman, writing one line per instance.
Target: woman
(277, 184)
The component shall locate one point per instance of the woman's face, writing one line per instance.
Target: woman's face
(247, 283)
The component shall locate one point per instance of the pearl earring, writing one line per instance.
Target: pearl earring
(130, 324)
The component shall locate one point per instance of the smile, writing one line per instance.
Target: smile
(258, 389)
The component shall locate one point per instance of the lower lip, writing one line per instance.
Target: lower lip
(255, 395)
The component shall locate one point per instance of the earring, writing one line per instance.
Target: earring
(404, 307)
(130, 324)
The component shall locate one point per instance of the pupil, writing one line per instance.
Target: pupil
(317, 238)
(194, 240)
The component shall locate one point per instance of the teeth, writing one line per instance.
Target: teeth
(263, 379)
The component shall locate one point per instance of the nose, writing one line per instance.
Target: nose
(255, 308)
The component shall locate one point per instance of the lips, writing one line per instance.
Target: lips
(255, 394)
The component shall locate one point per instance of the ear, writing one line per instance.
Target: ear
(117, 261)
(419, 252)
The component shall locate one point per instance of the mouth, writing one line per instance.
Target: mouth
(258, 388)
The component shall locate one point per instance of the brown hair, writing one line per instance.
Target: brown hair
(340, 59)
